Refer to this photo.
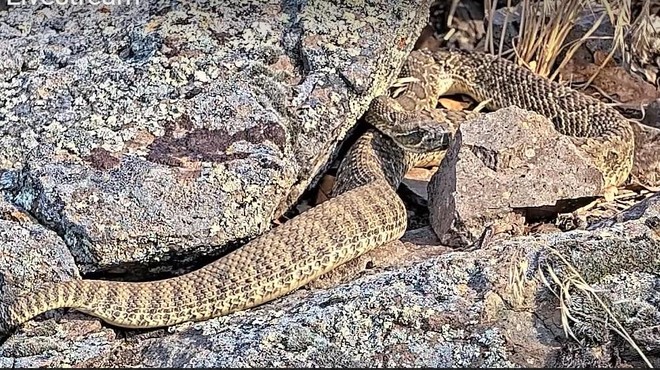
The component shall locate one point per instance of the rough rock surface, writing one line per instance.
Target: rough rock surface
(498, 166)
(487, 308)
(29, 253)
(155, 132)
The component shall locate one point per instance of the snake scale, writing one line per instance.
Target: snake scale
(364, 211)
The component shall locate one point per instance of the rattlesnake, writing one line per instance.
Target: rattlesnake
(364, 212)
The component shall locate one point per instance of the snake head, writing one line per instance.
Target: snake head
(422, 133)
(416, 131)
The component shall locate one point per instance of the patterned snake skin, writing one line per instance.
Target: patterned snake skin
(364, 213)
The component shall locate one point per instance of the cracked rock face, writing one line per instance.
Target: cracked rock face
(29, 253)
(152, 134)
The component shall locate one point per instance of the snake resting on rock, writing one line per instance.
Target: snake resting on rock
(364, 212)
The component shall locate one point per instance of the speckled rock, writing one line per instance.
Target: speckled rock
(500, 167)
(29, 252)
(153, 133)
(489, 307)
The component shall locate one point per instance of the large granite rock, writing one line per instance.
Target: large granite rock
(150, 134)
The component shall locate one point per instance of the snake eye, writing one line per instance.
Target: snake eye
(411, 140)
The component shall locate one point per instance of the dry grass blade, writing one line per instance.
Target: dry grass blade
(640, 30)
(561, 295)
(404, 81)
(544, 32)
(452, 10)
(575, 45)
(401, 84)
(546, 24)
(516, 281)
(506, 21)
(575, 279)
(481, 105)
(490, 7)
(619, 12)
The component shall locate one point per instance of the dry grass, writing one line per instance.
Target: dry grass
(641, 28)
(517, 278)
(575, 280)
(545, 26)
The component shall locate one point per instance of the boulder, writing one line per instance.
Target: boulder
(148, 135)
(502, 167)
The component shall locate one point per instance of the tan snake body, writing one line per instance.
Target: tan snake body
(365, 211)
